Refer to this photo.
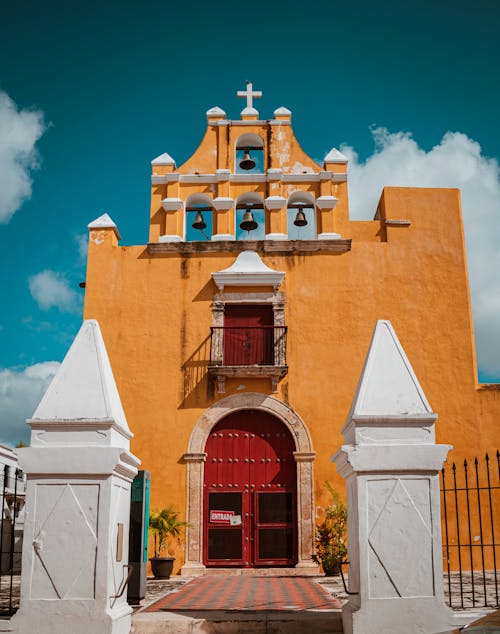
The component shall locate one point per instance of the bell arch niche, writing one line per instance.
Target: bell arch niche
(250, 209)
(198, 218)
(301, 216)
(249, 154)
(195, 459)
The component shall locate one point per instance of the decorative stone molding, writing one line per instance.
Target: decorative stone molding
(222, 203)
(330, 242)
(165, 239)
(194, 457)
(326, 202)
(329, 236)
(220, 237)
(172, 204)
(222, 174)
(276, 236)
(248, 270)
(275, 202)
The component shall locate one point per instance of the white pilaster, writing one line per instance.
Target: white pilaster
(79, 470)
(391, 466)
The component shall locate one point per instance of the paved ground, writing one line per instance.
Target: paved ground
(248, 593)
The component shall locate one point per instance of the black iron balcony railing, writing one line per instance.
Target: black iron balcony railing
(248, 345)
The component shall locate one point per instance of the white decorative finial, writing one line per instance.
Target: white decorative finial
(249, 94)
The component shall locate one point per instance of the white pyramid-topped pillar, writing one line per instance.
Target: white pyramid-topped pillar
(391, 466)
(79, 471)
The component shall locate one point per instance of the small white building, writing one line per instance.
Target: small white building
(12, 498)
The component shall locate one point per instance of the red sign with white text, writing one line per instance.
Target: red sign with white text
(221, 517)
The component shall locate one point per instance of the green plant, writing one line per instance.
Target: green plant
(165, 525)
(330, 536)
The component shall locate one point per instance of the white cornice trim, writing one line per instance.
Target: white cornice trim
(329, 236)
(274, 173)
(248, 178)
(300, 178)
(326, 202)
(275, 202)
(220, 237)
(171, 204)
(276, 236)
(197, 178)
(166, 238)
(222, 203)
(222, 174)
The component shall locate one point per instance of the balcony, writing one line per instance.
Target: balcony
(247, 351)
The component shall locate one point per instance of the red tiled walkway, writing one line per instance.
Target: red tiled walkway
(248, 593)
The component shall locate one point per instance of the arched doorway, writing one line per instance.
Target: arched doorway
(250, 492)
(195, 460)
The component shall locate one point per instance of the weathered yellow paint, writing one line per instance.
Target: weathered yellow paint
(155, 312)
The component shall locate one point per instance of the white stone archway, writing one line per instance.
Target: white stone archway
(195, 461)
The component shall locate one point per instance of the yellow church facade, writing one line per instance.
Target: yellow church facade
(238, 333)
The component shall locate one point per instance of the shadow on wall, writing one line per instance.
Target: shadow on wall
(195, 370)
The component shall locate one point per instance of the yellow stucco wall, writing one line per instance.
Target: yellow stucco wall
(155, 314)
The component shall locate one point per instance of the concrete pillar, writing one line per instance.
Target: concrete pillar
(79, 471)
(391, 466)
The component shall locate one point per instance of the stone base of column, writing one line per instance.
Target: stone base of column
(411, 616)
(193, 569)
(307, 568)
(50, 619)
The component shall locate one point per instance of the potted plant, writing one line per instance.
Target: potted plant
(165, 526)
(330, 536)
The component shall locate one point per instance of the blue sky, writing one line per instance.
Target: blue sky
(98, 89)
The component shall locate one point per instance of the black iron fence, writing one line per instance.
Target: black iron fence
(11, 531)
(248, 345)
(470, 508)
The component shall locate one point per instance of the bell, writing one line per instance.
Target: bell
(300, 218)
(247, 162)
(248, 223)
(199, 223)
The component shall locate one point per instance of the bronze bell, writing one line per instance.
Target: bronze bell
(248, 223)
(199, 223)
(247, 162)
(300, 218)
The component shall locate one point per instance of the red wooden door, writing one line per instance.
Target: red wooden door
(250, 492)
(248, 335)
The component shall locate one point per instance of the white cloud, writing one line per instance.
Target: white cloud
(20, 393)
(19, 132)
(51, 289)
(82, 242)
(456, 161)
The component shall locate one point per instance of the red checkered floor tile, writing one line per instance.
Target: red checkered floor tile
(248, 593)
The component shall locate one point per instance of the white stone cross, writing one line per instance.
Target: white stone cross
(249, 94)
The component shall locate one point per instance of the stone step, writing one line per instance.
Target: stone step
(244, 622)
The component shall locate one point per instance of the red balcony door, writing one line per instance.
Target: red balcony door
(248, 335)
(250, 493)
